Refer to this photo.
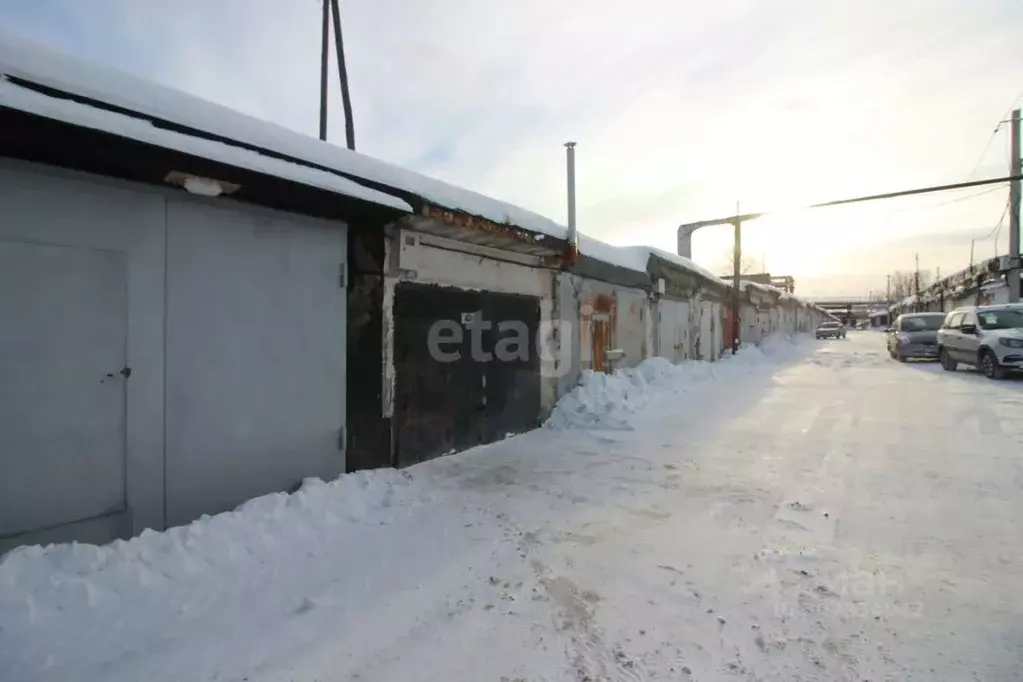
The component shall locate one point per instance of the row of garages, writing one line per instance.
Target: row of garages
(197, 308)
(982, 284)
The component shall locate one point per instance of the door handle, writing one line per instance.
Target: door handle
(125, 373)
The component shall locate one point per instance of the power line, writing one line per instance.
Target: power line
(980, 158)
(994, 133)
(921, 190)
(1012, 106)
(985, 192)
(998, 226)
(857, 200)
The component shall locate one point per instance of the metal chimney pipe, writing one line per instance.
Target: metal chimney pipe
(573, 235)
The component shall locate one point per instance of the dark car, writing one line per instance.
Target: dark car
(832, 330)
(915, 335)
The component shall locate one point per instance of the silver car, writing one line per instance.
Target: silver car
(915, 335)
(830, 329)
(988, 337)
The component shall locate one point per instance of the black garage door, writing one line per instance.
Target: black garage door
(466, 369)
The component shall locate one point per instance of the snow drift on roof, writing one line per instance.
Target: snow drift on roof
(636, 258)
(684, 263)
(43, 66)
(622, 256)
(82, 115)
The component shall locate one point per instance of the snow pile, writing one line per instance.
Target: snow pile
(607, 401)
(782, 348)
(48, 585)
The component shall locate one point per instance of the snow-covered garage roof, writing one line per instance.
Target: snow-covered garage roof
(46, 83)
(147, 110)
(637, 258)
(68, 111)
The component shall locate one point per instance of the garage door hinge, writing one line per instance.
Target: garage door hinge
(342, 275)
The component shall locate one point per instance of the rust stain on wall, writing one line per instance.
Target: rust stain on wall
(602, 325)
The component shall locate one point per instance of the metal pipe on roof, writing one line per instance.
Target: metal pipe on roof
(573, 235)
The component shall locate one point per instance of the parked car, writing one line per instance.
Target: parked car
(988, 337)
(830, 330)
(915, 335)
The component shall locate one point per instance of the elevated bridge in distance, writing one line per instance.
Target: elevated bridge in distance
(851, 309)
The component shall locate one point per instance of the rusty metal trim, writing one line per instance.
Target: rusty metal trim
(473, 222)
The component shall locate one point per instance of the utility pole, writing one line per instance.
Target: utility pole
(736, 274)
(342, 70)
(972, 242)
(1014, 200)
(888, 290)
(916, 282)
(324, 55)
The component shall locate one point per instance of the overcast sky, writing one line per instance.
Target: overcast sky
(680, 108)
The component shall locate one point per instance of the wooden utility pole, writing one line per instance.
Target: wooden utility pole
(736, 274)
(342, 70)
(332, 8)
(324, 56)
(1014, 201)
(916, 282)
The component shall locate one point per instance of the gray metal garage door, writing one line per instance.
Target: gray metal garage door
(255, 354)
(63, 314)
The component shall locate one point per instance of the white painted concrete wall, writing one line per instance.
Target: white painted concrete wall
(634, 329)
(673, 327)
(631, 330)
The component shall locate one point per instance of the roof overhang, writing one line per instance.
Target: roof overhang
(28, 137)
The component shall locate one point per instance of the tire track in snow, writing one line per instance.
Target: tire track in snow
(591, 657)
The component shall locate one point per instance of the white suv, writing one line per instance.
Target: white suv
(988, 337)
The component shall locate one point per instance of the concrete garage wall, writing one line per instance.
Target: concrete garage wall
(693, 329)
(583, 304)
(753, 324)
(673, 329)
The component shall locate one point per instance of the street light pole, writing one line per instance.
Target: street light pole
(916, 284)
(736, 274)
(1014, 201)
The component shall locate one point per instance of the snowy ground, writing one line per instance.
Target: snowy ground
(818, 513)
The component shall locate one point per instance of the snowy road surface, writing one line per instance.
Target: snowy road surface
(821, 513)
